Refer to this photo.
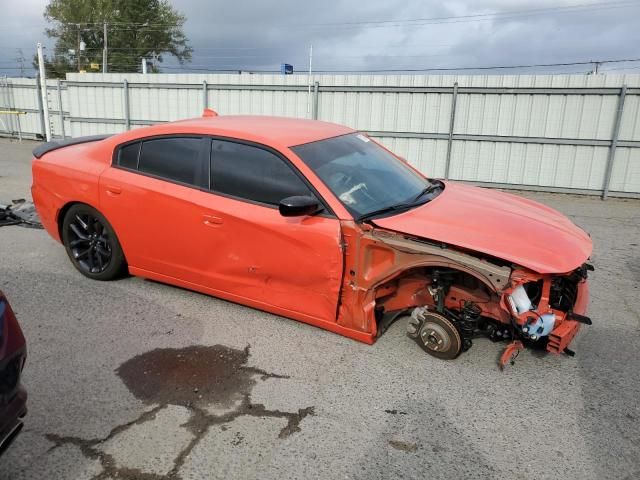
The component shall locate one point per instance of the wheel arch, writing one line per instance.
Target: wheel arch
(62, 213)
(65, 208)
(406, 289)
(432, 264)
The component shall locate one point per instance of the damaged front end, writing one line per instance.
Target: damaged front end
(454, 296)
(547, 310)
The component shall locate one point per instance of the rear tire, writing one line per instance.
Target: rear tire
(92, 244)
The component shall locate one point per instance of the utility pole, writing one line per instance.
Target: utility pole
(78, 49)
(43, 92)
(309, 82)
(104, 50)
(20, 59)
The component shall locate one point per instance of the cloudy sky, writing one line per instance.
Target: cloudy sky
(380, 34)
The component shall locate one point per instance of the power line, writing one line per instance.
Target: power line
(622, 68)
(434, 69)
(235, 67)
(489, 16)
(423, 69)
(493, 67)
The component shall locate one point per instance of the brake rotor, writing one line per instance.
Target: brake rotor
(435, 334)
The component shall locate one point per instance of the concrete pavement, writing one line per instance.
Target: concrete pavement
(135, 379)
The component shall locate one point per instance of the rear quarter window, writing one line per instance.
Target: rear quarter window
(128, 156)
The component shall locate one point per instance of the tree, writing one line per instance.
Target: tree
(136, 29)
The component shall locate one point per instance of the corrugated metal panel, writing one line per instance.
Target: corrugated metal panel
(393, 112)
(396, 116)
(566, 166)
(428, 156)
(630, 126)
(96, 101)
(551, 116)
(79, 129)
(625, 176)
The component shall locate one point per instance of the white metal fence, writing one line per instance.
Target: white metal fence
(574, 133)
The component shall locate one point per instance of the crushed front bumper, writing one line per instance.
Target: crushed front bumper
(562, 335)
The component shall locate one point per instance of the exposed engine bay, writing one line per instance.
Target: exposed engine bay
(453, 297)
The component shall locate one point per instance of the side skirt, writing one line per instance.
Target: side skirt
(317, 322)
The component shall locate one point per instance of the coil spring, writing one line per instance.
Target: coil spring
(469, 316)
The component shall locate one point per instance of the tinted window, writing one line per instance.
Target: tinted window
(173, 158)
(252, 173)
(128, 155)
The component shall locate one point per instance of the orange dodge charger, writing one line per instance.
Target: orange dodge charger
(316, 222)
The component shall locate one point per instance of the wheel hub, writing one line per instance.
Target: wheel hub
(435, 334)
(434, 337)
(89, 243)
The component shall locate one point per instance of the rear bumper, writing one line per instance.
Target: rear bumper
(11, 418)
(562, 336)
(47, 210)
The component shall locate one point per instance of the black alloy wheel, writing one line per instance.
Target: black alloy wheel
(92, 244)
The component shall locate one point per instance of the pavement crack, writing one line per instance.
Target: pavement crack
(193, 378)
(89, 449)
(60, 440)
(263, 374)
(201, 422)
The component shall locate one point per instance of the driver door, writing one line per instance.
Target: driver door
(291, 263)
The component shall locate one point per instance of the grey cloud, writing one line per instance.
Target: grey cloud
(258, 34)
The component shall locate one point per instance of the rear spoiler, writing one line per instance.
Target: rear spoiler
(40, 150)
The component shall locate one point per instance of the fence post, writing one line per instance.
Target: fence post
(40, 109)
(452, 119)
(614, 142)
(205, 95)
(125, 94)
(316, 93)
(60, 109)
(45, 93)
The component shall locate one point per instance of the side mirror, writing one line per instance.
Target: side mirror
(298, 206)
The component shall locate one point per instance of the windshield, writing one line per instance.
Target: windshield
(366, 178)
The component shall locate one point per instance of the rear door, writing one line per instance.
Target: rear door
(150, 196)
(294, 264)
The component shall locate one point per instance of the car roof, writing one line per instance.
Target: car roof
(265, 129)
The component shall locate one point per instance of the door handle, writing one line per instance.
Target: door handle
(113, 190)
(211, 221)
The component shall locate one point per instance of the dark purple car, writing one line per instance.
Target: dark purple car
(13, 354)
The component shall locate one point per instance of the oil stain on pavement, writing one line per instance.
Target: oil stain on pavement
(194, 377)
(403, 446)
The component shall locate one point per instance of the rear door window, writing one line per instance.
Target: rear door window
(253, 173)
(177, 158)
